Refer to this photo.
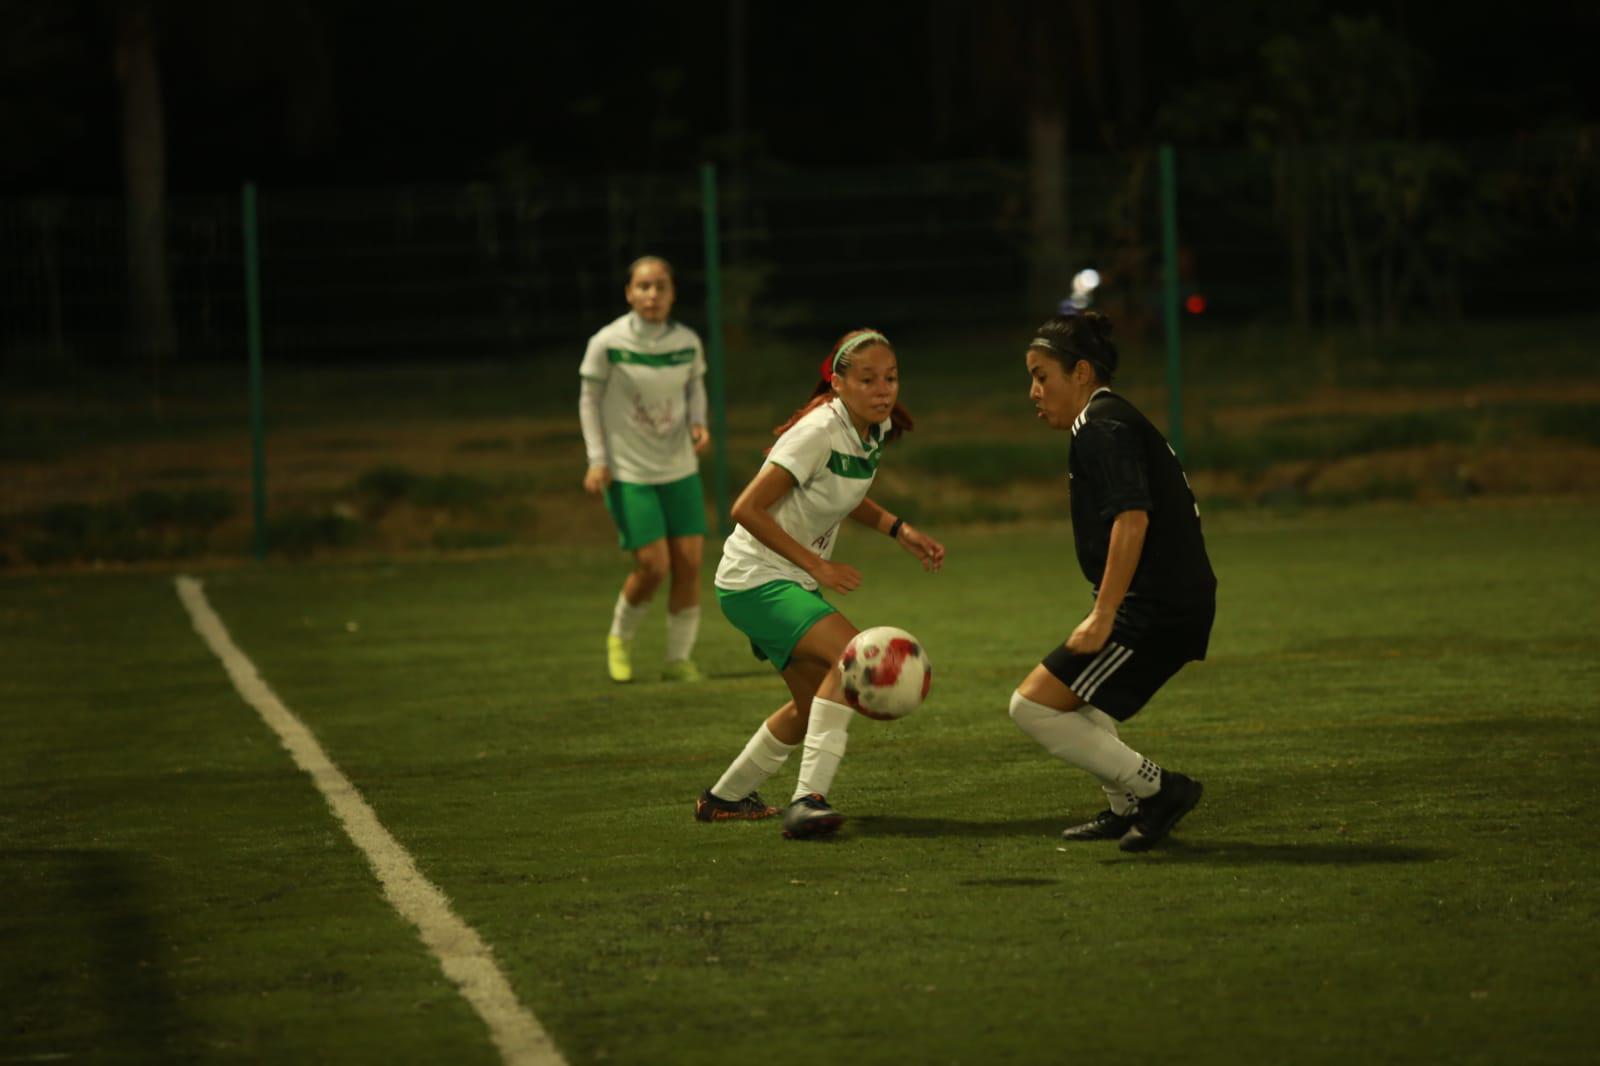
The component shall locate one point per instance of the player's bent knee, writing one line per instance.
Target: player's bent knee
(651, 567)
(684, 562)
(1024, 711)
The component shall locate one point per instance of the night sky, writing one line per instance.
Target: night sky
(299, 93)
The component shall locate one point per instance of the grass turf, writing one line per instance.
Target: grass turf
(1394, 860)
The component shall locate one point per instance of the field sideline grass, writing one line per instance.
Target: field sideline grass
(1395, 860)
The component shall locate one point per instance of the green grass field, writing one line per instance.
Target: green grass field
(1395, 861)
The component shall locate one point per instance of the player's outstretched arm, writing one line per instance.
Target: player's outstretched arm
(927, 550)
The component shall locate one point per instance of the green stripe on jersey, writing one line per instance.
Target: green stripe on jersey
(677, 358)
(853, 465)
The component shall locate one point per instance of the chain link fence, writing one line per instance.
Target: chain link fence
(1370, 235)
(1362, 322)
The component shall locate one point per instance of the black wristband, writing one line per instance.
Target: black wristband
(894, 530)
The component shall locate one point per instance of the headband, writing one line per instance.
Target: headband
(830, 364)
(1048, 345)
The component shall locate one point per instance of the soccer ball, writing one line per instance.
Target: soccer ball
(886, 673)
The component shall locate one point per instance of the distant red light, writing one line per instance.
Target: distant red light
(1195, 305)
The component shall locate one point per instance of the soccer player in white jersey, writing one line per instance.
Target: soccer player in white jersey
(781, 556)
(643, 411)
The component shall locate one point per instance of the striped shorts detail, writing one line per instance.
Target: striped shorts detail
(1109, 661)
(1121, 677)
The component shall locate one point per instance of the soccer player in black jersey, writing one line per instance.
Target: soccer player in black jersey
(1137, 532)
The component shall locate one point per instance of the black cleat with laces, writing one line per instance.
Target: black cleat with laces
(809, 817)
(1159, 813)
(752, 808)
(1107, 825)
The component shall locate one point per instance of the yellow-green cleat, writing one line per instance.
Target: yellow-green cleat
(682, 670)
(619, 663)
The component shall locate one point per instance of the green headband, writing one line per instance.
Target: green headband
(855, 342)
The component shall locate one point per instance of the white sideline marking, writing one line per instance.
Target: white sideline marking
(462, 954)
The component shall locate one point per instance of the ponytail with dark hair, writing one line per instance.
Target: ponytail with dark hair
(837, 361)
(1083, 336)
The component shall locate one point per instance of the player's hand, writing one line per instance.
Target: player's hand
(1091, 634)
(700, 437)
(924, 547)
(837, 576)
(597, 479)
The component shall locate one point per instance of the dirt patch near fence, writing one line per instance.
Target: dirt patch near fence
(466, 484)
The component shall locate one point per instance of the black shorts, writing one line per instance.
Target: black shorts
(1138, 659)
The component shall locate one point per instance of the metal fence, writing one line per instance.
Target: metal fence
(528, 263)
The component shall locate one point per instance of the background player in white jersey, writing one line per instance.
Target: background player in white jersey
(817, 474)
(1136, 529)
(643, 411)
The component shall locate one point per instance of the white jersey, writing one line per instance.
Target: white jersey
(647, 369)
(833, 470)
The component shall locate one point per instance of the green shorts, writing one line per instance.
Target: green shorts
(646, 513)
(774, 616)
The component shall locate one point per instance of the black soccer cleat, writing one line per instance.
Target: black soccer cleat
(752, 808)
(809, 817)
(1107, 825)
(1159, 813)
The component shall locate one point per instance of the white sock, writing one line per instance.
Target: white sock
(1073, 737)
(625, 617)
(682, 626)
(759, 760)
(1118, 798)
(825, 743)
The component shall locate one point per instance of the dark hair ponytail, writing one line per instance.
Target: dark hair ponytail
(1083, 336)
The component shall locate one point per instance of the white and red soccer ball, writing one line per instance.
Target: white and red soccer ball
(886, 672)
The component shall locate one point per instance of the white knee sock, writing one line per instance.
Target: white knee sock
(825, 743)
(682, 626)
(1120, 799)
(1073, 737)
(625, 617)
(759, 760)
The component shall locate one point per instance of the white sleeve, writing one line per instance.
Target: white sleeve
(696, 395)
(594, 429)
(697, 384)
(596, 365)
(803, 451)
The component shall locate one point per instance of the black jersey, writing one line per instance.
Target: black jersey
(1120, 462)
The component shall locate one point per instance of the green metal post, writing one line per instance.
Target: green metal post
(1169, 260)
(258, 435)
(716, 364)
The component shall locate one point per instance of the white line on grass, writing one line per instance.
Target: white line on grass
(462, 954)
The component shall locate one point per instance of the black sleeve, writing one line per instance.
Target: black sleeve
(1112, 460)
